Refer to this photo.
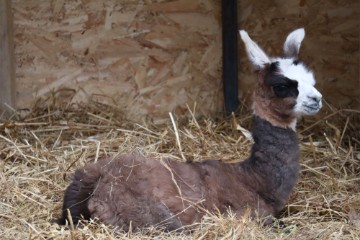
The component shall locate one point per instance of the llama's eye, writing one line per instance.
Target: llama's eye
(281, 90)
(280, 87)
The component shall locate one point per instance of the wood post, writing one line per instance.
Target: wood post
(7, 65)
(229, 43)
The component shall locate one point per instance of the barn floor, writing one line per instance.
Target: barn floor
(39, 153)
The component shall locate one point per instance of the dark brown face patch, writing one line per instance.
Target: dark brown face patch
(275, 96)
(282, 86)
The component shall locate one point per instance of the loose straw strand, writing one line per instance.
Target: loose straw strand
(177, 136)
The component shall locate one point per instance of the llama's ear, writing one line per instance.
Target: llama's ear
(256, 55)
(293, 43)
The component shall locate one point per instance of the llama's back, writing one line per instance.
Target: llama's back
(131, 189)
(137, 191)
(143, 192)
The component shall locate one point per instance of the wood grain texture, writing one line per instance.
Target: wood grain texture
(151, 57)
(147, 58)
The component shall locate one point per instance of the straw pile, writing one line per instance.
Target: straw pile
(39, 153)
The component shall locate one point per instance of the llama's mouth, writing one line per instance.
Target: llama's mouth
(312, 109)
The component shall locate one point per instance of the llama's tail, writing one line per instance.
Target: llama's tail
(78, 194)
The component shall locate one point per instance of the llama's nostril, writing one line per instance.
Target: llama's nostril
(316, 99)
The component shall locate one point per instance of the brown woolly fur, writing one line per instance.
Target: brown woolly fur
(40, 152)
(134, 191)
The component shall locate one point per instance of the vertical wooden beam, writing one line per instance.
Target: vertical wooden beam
(229, 43)
(7, 70)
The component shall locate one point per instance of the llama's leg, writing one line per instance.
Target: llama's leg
(77, 195)
(137, 214)
(170, 220)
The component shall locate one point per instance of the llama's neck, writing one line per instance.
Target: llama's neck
(264, 109)
(273, 166)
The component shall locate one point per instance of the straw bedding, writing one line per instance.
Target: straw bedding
(40, 150)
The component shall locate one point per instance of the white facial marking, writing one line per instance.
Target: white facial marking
(308, 101)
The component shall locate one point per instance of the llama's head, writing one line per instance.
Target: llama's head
(285, 87)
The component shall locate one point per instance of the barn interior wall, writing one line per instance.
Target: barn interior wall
(144, 57)
(150, 57)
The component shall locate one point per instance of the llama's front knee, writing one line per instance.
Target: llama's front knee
(102, 211)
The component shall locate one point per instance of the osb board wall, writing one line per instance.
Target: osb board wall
(146, 57)
(330, 47)
(149, 57)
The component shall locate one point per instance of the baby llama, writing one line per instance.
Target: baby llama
(132, 190)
